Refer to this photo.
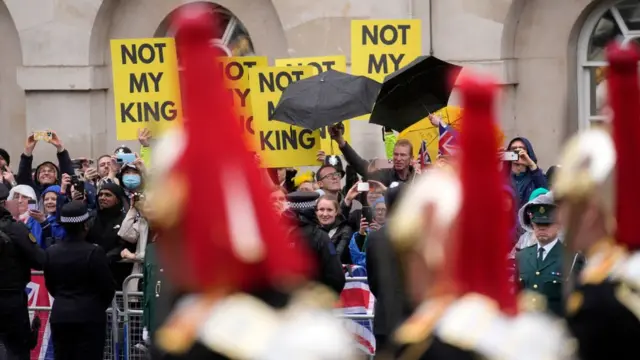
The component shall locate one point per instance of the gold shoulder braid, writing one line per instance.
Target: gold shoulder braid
(179, 333)
(574, 303)
(420, 325)
(601, 260)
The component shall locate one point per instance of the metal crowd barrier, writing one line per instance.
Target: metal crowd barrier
(124, 332)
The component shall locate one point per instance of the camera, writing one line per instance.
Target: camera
(77, 183)
(137, 197)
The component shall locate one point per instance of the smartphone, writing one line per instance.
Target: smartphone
(367, 214)
(43, 135)
(363, 187)
(33, 205)
(122, 158)
(510, 156)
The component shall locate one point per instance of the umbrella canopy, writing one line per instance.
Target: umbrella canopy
(413, 92)
(325, 99)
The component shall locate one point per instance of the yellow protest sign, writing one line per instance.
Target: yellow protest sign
(322, 64)
(276, 143)
(380, 47)
(146, 89)
(236, 73)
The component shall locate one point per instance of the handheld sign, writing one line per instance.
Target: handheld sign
(380, 47)
(320, 65)
(236, 74)
(276, 143)
(145, 85)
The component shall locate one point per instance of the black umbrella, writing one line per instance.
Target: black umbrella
(411, 93)
(325, 99)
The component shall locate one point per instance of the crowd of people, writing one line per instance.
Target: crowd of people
(339, 208)
(244, 284)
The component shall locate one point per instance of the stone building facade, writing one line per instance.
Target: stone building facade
(547, 55)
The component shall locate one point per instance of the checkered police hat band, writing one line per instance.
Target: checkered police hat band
(74, 219)
(302, 205)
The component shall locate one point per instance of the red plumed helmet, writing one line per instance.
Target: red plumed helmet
(624, 99)
(482, 243)
(230, 236)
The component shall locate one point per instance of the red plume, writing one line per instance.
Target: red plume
(231, 236)
(482, 245)
(624, 99)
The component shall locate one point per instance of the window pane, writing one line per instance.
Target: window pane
(630, 12)
(240, 42)
(605, 31)
(597, 90)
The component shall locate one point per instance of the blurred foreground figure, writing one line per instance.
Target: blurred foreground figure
(225, 247)
(455, 257)
(597, 192)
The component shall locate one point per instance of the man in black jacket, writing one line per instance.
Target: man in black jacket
(301, 211)
(401, 172)
(19, 253)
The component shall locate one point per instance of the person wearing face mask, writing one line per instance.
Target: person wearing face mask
(105, 227)
(131, 179)
(332, 221)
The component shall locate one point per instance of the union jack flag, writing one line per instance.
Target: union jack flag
(356, 299)
(448, 142)
(425, 158)
(38, 295)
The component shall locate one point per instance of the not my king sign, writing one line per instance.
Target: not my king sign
(145, 85)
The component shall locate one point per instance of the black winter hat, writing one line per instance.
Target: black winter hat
(5, 155)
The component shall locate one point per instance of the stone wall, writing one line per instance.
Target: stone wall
(55, 71)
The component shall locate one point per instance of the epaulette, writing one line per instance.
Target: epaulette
(420, 325)
(531, 246)
(474, 323)
(552, 339)
(308, 333)
(603, 259)
(179, 332)
(628, 271)
(314, 295)
(239, 327)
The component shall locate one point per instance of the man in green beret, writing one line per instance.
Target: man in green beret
(540, 265)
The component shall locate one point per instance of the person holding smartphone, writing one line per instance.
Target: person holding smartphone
(373, 219)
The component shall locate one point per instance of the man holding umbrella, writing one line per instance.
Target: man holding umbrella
(402, 170)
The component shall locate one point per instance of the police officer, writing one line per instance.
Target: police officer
(78, 277)
(19, 253)
(540, 265)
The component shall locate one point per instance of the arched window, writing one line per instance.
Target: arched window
(611, 20)
(235, 39)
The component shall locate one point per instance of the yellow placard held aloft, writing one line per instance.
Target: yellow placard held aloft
(322, 64)
(276, 143)
(380, 47)
(236, 74)
(146, 89)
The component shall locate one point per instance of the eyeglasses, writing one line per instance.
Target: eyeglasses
(334, 176)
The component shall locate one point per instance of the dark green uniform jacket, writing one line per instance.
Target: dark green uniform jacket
(545, 277)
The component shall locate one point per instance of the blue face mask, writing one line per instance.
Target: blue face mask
(131, 181)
